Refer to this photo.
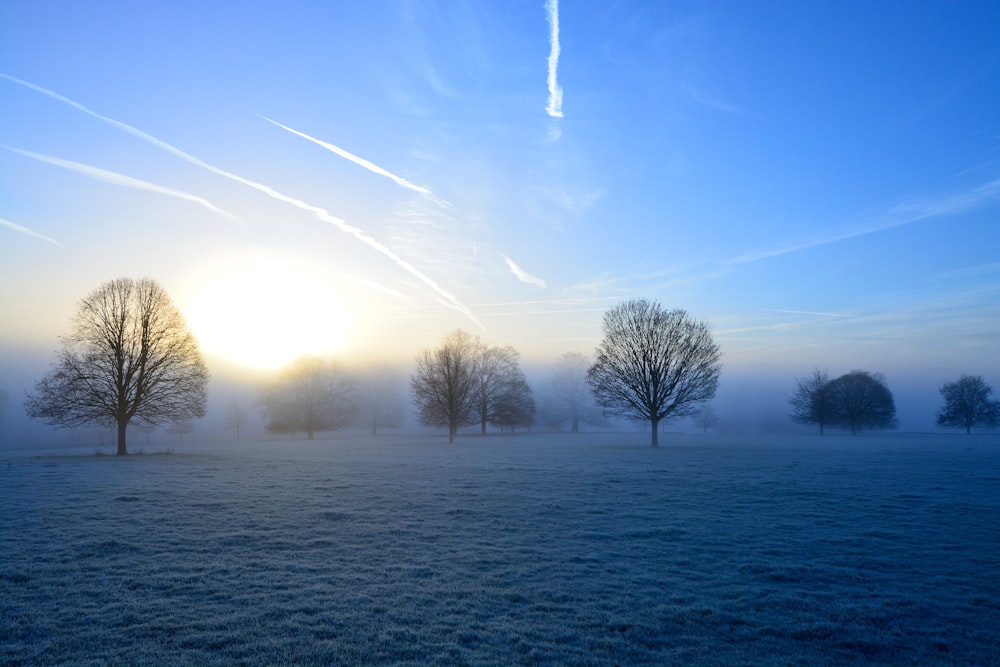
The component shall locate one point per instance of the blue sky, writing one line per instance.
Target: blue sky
(818, 180)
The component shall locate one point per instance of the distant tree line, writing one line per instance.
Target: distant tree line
(464, 382)
(861, 400)
(130, 359)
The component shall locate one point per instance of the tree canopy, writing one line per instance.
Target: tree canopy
(967, 404)
(382, 400)
(501, 392)
(860, 400)
(311, 395)
(567, 398)
(129, 356)
(811, 400)
(514, 406)
(444, 383)
(654, 364)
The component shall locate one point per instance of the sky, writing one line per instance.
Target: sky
(820, 181)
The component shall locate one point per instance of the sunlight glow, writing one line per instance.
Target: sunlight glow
(266, 313)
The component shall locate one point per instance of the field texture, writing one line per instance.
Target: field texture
(534, 550)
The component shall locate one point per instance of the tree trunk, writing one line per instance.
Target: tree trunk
(576, 425)
(122, 427)
(655, 423)
(451, 434)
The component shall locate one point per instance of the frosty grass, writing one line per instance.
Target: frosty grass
(533, 549)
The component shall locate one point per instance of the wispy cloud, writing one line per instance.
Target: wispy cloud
(361, 162)
(605, 285)
(974, 271)
(530, 307)
(902, 213)
(554, 133)
(554, 107)
(919, 208)
(571, 202)
(521, 274)
(121, 179)
(711, 103)
(378, 287)
(806, 312)
(28, 232)
(321, 213)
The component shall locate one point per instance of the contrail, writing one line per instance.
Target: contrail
(554, 108)
(121, 179)
(521, 274)
(28, 232)
(378, 287)
(320, 213)
(361, 162)
(903, 213)
(806, 312)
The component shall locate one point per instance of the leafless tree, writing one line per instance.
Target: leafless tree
(811, 400)
(444, 384)
(706, 417)
(861, 400)
(236, 417)
(654, 364)
(180, 429)
(500, 386)
(129, 357)
(967, 404)
(311, 395)
(514, 406)
(567, 396)
(147, 430)
(382, 402)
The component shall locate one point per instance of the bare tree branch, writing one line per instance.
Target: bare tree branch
(654, 364)
(129, 356)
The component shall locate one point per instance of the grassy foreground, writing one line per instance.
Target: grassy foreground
(537, 549)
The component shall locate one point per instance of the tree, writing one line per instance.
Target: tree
(180, 429)
(706, 417)
(381, 403)
(860, 400)
(811, 402)
(444, 384)
(500, 386)
(236, 417)
(567, 396)
(147, 430)
(128, 357)
(653, 364)
(514, 407)
(967, 404)
(311, 395)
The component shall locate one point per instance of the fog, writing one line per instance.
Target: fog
(750, 400)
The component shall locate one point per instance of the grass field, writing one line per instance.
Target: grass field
(535, 550)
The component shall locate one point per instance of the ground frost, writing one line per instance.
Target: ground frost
(542, 550)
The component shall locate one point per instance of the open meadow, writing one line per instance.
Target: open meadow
(530, 549)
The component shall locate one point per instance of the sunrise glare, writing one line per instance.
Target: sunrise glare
(500, 332)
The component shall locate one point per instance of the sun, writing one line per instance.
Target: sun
(263, 313)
